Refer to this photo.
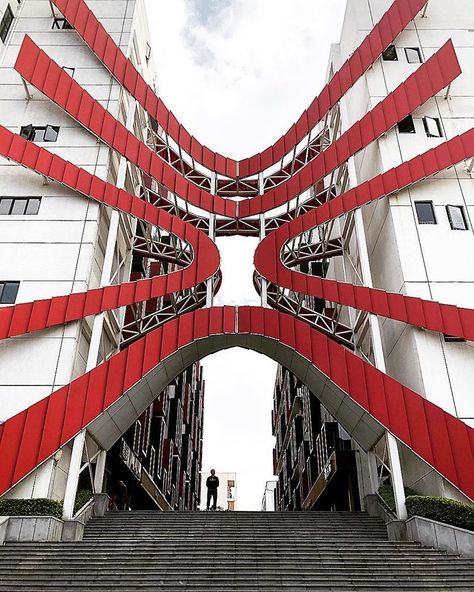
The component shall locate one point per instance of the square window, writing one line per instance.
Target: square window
(413, 55)
(6, 23)
(432, 127)
(425, 212)
(19, 207)
(390, 54)
(51, 133)
(70, 71)
(27, 132)
(33, 206)
(5, 206)
(407, 126)
(8, 292)
(61, 23)
(456, 217)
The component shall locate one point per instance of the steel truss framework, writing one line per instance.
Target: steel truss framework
(185, 185)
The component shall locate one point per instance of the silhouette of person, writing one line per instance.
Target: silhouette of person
(212, 483)
(122, 496)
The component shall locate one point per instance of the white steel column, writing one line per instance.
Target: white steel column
(210, 281)
(100, 471)
(97, 329)
(373, 473)
(73, 475)
(262, 234)
(392, 446)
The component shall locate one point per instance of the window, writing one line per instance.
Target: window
(19, 206)
(432, 127)
(407, 126)
(8, 292)
(413, 55)
(148, 52)
(70, 71)
(425, 212)
(390, 54)
(6, 23)
(61, 23)
(48, 133)
(456, 217)
(452, 339)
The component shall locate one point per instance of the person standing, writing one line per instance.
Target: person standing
(212, 483)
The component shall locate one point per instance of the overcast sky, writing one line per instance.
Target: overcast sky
(237, 74)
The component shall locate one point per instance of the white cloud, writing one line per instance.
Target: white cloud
(237, 74)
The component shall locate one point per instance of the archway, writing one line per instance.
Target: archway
(364, 400)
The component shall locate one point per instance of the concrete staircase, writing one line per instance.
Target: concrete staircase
(224, 551)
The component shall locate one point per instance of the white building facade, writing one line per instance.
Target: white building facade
(53, 241)
(418, 242)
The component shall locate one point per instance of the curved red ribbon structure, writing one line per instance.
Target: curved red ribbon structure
(366, 401)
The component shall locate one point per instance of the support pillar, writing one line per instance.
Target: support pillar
(73, 475)
(397, 477)
(373, 473)
(100, 471)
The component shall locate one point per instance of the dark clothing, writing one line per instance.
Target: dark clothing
(211, 494)
(212, 483)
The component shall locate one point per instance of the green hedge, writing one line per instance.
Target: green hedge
(82, 497)
(386, 493)
(442, 510)
(30, 507)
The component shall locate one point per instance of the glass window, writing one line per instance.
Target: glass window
(33, 206)
(48, 133)
(425, 212)
(5, 206)
(70, 71)
(19, 207)
(51, 133)
(432, 127)
(27, 132)
(8, 292)
(407, 125)
(456, 216)
(413, 55)
(390, 54)
(61, 23)
(6, 23)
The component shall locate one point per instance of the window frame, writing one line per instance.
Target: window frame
(30, 199)
(6, 23)
(3, 286)
(417, 211)
(30, 132)
(437, 122)
(450, 218)
(417, 50)
(407, 119)
(61, 24)
(386, 54)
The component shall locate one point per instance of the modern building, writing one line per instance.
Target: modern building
(363, 210)
(159, 458)
(268, 498)
(226, 493)
(412, 242)
(313, 456)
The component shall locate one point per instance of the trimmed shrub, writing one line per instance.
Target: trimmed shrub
(442, 510)
(386, 493)
(82, 497)
(30, 507)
